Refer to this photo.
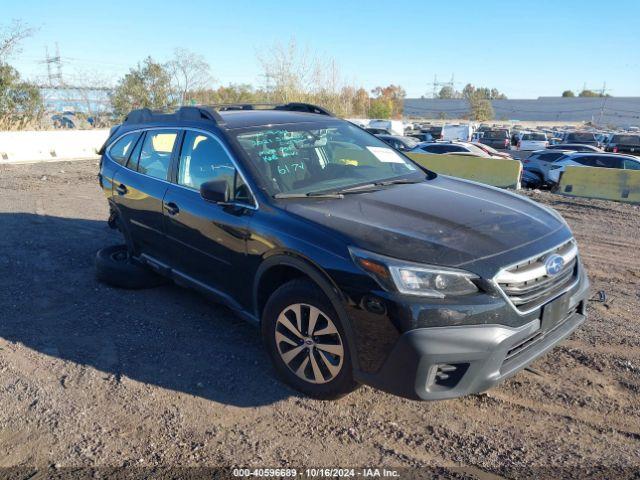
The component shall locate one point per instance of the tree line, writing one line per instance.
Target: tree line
(290, 73)
(479, 100)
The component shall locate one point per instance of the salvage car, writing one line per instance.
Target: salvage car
(358, 265)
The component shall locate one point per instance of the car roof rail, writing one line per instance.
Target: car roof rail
(210, 112)
(291, 107)
(194, 113)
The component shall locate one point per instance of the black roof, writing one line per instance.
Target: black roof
(233, 115)
(253, 118)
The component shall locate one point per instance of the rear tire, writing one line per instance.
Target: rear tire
(115, 267)
(306, 341)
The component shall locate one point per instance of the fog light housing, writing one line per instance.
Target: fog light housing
(445, 375)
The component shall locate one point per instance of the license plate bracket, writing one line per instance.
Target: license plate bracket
(554, 312)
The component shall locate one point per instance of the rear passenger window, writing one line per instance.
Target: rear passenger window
(120, 150)
(155, 155)
(607, 162)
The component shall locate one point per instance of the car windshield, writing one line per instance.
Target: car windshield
(581, 137)
(309, 158)
(495, 134)
(626, 139)
(534, 136)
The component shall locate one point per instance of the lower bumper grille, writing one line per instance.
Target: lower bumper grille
(539, 335)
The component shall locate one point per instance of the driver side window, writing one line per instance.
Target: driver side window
(202, 159)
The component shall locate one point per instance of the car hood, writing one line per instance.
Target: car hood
(443, 221)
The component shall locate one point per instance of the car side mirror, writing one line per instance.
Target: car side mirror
(216, 191)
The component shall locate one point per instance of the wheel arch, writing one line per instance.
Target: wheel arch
(281, 268)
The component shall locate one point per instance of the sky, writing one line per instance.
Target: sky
(523, 48)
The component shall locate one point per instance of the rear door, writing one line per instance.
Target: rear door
(208, 240)
(139, 189)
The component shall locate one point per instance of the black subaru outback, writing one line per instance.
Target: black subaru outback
(358, 265)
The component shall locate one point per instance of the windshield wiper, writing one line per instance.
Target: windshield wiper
(369, 187)
(375, 186)
(309, 195)
(398, 181)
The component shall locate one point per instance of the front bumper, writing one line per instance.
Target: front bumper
(445, 362)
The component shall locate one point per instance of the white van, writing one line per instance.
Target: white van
(394, 127)
(452, 133)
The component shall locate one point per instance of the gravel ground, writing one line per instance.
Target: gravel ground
(97, 377)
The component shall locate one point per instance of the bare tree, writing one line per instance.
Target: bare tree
(11, 37)
(190, 73)
(288, 71)
(90, 89)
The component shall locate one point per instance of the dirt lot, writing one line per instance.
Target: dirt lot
(91, 376)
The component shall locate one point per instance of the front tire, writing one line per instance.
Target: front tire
(306, 341)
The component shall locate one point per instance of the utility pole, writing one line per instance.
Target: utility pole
(54, 78)
(436, 85)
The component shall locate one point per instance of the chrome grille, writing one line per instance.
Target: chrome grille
(528, 285)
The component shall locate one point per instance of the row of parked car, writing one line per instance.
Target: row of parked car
(543, 168)
(544, 165)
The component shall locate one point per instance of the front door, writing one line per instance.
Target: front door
(209, 240)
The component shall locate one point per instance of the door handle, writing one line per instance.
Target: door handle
(172, 208)
(122, 189)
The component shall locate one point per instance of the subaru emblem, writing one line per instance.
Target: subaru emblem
(554, 264)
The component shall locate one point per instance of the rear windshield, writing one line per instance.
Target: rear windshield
(626, 139)
(495, 134)
(534, 136)
(581, 137)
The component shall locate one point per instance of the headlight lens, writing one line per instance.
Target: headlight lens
(412, 279)
(432, 282)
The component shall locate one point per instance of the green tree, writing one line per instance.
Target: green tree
(568, 94)
(469, 91)
(447, 92)
(146, 86)
(21, 104)
(480, 109)
(393, 95)
(380, 107)
(591, 93)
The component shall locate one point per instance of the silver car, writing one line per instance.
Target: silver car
(538, 164)
(602, 160)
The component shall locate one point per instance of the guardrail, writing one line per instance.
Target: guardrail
(56, 145)
(503, 173)
(605, 183)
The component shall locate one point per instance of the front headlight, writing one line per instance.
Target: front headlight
(415, 279)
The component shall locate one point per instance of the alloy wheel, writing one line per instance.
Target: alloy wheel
(309, 343)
